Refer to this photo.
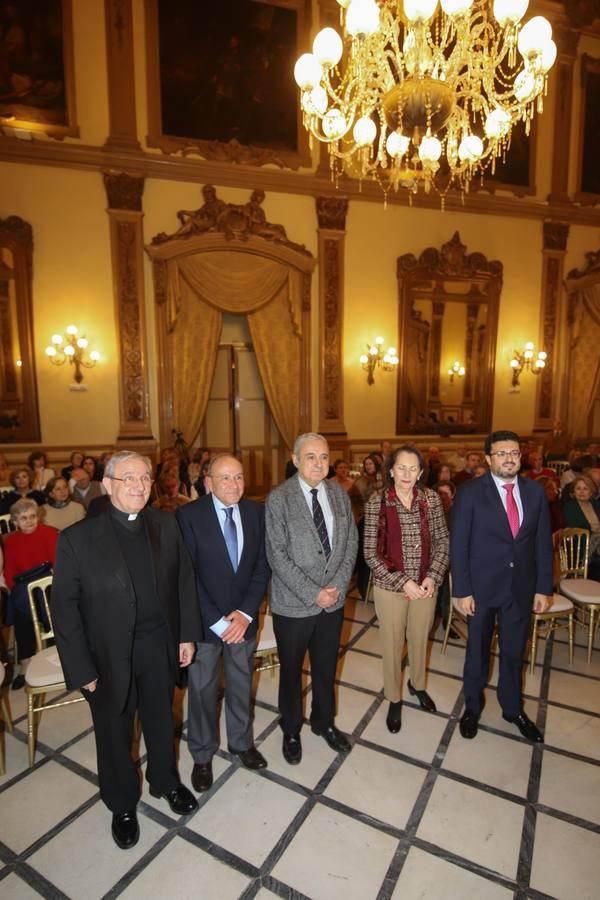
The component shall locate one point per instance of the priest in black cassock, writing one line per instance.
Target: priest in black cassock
(126, 617)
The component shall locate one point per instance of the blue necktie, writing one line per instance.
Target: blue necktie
(231, 541)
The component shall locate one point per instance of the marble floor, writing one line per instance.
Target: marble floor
(421, 814)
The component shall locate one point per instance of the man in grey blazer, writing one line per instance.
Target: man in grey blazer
(311, 547)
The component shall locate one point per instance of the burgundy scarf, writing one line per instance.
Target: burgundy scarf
(389, 533)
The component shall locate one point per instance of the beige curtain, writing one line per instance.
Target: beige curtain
(585, 369)
(203, 286)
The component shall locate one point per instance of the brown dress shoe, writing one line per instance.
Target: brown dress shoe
(250, 758)
(202, 776)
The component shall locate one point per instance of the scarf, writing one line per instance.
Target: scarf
(389, 533)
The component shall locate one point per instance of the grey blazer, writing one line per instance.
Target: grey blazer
(296, 556)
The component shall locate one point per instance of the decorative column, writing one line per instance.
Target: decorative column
(551, 397)
(121, 80)
(566, 41)
(124, 193)
(331, 213)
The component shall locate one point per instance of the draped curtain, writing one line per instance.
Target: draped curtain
(200, 288)
(585, 381)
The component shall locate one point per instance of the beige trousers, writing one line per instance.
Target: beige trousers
(400, 619)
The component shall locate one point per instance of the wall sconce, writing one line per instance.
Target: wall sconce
(73, 349)
(376, 357)
(456, 369)
(524, 360)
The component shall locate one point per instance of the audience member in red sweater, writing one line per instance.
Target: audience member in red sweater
(538, 470)
(31, 545)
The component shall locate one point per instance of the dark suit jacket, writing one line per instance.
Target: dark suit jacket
(94, 603)
(485, 560)
(220, 589)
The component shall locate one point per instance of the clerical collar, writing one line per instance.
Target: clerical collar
(128, 520)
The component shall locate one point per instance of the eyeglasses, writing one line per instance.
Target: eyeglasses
(132, 480)
(407, 470)
(505, 454)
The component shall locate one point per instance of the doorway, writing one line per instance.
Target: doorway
(238, 419)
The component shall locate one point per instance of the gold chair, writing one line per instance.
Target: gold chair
(5, 716)
(44, 672)
(266, 647)
(573, 553)
(456, 620)
(560, 609)
(558, 465)
(6, 524)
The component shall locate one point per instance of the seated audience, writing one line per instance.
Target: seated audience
(479, 470)
(25, 549)
(445, 473)
(198, 475)
(85, 490)
(368, 482)
(21, 479)
(38, 464)
(342, 474)
(76, 460)
(557, 516)
(60, 510)
(537, 469)
(172, 463)
(578, 466)
(472, 460)
(90, 464)
(583, 511)
(169, 497)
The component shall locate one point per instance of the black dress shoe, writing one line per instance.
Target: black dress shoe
(393, 719)
(18, 683)
(202, 777)
(292, 749)
(251, 758)
(526, 727)
(125, 829)
(181, 801)
(468, 724)
(423, 697)
(334, 737)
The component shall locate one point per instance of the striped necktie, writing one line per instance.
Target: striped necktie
(319, 520)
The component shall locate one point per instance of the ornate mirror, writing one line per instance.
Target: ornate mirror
(19, 416)
(447, 340)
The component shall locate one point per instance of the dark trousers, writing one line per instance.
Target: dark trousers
(514, 622)
(151, 695)
(320, 635)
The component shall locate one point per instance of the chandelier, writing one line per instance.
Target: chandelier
(419, 94)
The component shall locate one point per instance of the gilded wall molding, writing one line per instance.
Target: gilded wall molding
(331, 216)
(124, 191)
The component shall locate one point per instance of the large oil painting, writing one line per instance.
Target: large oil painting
(589, 182)
(225, 76)
(36, 81)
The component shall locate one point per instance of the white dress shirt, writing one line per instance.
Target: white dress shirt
(499, 482)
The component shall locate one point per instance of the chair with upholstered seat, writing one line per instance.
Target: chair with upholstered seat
(573, 549)
(266, 646)
(44, 672)
(561, 609)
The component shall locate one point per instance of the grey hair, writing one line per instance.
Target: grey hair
(21, 506)
(123, 456)
(309, 436)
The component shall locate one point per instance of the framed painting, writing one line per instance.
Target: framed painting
(37, 85)
(588, 180)
(220, 79)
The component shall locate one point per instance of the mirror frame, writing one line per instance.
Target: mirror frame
(451, 263)
(16, 235)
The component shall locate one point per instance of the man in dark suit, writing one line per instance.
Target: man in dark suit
(501, 563)
(126, 617)
(225, 535)
(311, 547)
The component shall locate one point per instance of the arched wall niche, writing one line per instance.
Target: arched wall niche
(227, 258)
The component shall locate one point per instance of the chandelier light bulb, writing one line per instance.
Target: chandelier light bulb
(548, 56)
(540, 363)
(50, 351)
(497, 123)
(456, 7)
(392, 352)
(397, 144)
(529, 345)
(514, 363)
(542, 354)
(379, 340)
(509, 12)
(69, 351)
(525, 85)
(334, 124)
(71, 329)
(57, 339)
(362, 18)
(315, 101)
(533, 36)
(327, 48)
(419, 10)
(82, 343)
(430, 149)
(470, 148)
(95, 355)
(374, 350)
(364, 131)
(307, 72)
(364, 359)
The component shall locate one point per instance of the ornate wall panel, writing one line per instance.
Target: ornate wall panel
(331, 213)
(549, 398)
